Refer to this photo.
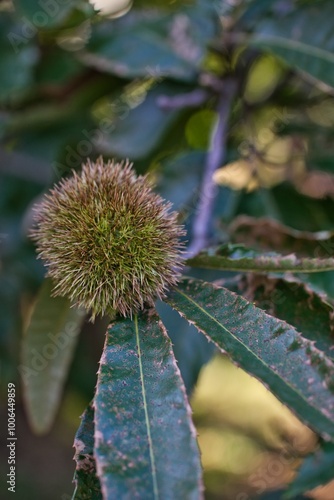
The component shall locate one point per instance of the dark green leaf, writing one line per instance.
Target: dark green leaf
(300, 375)
(175, 172)
(176, 4)
(239, 258)
(18, 58)
(47, 14)
(133, 55)
(287, 205)
(317, 469)
(304, 39)
(162, 44)
(321, 283)
(87, 483)
(255, 11)
(58, 67)
(145, 442)
(47, 350)
(59, 131)
(295, 303)
(135, 132)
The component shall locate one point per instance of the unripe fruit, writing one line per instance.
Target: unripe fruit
(109, 242)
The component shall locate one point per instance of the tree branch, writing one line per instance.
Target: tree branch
(215, 158)
(191, 99)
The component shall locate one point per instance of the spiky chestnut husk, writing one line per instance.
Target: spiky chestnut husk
(109, 242)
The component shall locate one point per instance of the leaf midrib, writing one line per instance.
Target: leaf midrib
(147, 420)
(241, 265)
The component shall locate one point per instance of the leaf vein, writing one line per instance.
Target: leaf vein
(147, 420)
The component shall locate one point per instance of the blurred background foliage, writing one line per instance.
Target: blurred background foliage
(141, 80)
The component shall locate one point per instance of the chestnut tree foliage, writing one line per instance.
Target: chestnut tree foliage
(228, 109)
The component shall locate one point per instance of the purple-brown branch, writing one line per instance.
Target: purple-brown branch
(190, 99)
(215, 158)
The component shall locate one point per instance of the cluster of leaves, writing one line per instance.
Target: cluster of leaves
(147, 86)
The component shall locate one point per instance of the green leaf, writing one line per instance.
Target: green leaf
(58, 68)
(161, 44)
(239, 258)
(47, 350)
(293, 209)
(126, 136)
(87, 483)
(135, 54)
(175, 172)
(321, 283)
(48, 14)
(300, 375)
(317, 469)
(254, 11)
(54, 131)
(176, 4)
(295, 303)
(295, 39)
(145, 442)
(16, 52)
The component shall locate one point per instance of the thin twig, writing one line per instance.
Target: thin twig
(190, 99)
(215, 158)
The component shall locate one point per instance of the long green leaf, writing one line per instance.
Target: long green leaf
(87, 483)
(145, 444)
(238, 258)
(304, 39)
(317, 469)
(300, 375)
(47, 350)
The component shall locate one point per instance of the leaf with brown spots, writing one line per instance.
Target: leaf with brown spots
(294, 302)
(87, 483)
(299, 374)
(145, 441)
(239, 258)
